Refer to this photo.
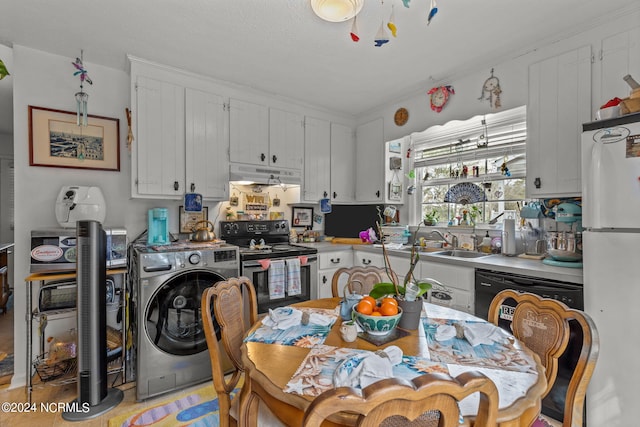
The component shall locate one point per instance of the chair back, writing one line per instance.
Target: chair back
(428, 400)
(224, 302)
(543, 325)
(360, 279)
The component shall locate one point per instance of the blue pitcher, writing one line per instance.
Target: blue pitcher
(350, 299)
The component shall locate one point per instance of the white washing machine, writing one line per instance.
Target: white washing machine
(171, 349)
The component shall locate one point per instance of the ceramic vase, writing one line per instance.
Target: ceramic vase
(411, 310)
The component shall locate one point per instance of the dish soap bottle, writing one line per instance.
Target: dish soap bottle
(485, 246)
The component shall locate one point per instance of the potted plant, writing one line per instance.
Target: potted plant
(431, 218)
(411, 307)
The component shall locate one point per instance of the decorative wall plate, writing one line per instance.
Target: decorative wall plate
(465, 193)
(401, 117)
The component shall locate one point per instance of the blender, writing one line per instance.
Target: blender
(564, 248)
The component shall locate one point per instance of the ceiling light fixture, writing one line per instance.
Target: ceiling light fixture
(336, 10)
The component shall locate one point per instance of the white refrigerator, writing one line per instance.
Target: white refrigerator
(611, 258)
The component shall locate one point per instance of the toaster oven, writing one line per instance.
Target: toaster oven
(54, 250)
(62, 294)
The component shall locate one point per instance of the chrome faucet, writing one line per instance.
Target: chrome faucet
(454, 238)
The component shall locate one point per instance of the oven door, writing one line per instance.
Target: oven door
(259, 276)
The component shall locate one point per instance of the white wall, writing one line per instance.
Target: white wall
(513, 75)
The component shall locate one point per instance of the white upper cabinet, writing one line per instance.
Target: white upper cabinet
(619, 55)
(207, 145)
(370, 162)
(181, 137)
(248, 132)
(317, 160)
(265, 136)
(559, 102)
(157, 157)
(343, 159)
(286, 139)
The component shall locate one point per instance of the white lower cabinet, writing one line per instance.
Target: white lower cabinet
(367, 259)
(328, 264)
(458, 281)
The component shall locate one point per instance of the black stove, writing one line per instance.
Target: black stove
(262, 239)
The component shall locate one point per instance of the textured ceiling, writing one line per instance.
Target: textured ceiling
(281, 47)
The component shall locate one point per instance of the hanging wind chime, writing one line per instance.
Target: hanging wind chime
(81, 97)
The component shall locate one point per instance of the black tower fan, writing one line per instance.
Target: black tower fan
(93, 397)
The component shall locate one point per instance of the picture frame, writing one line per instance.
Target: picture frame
(188, 219)
(302, 217)
(56, 140)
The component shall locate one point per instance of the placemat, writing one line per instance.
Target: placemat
(305, 336)
(505, 355)
(383, 339)
(315, 374)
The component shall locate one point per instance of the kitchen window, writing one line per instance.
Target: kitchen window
(486, 151)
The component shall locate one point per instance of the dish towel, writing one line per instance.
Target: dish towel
(293, 277)
(276, 279)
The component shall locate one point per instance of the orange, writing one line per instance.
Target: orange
(365, 307)
(389, 309)
(376, 313)
(390, 300)
(371, 299)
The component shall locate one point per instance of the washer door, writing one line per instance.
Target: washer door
(172, 318)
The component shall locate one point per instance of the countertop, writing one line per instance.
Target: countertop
(496, 262)
(5, 246)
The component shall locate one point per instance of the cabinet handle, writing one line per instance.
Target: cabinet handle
(193, 187)
(335, 195)
(537, 182)
(378, 193)
(324, 279)
(176, 186)
(325, 194)
(274, 158)
(335, 261)
(366, 261)
(262, 157)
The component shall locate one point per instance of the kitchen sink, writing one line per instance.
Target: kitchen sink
(461, 253)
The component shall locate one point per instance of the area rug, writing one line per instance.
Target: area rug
(198, 408)
(6, 367)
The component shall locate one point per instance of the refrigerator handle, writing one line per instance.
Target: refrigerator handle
(594, 189)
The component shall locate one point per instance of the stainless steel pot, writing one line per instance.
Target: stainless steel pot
(565, 246)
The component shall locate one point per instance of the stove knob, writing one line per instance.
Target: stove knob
(194, 258)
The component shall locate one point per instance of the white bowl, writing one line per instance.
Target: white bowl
(608, 113)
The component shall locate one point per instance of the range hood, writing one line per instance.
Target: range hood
(264, 175)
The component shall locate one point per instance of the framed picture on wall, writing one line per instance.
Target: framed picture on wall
(188, 220)
(56, 140)
(302, 217)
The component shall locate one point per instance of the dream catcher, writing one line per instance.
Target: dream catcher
(491, 91)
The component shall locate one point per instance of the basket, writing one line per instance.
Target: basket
(51, 371)
(630, 105)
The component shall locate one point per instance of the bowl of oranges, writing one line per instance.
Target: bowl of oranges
(377, 318)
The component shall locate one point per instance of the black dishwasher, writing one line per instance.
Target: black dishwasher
(489, 283)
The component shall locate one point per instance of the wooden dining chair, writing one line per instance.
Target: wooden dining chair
(226, 300)
(365, 276)
(428, 400)
(543, 325)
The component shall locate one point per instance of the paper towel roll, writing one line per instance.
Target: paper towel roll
(509, 237)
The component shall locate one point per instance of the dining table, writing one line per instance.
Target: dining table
(286, 369)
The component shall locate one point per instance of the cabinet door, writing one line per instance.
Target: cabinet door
(317, 159)
(286, 139)
(207, 144)
(366, 259)
(324, 283)
(559, 102)
(248, 132)
(343, 159)
(620, 55)
(158, 153)
(459, 282)
(369, 162)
